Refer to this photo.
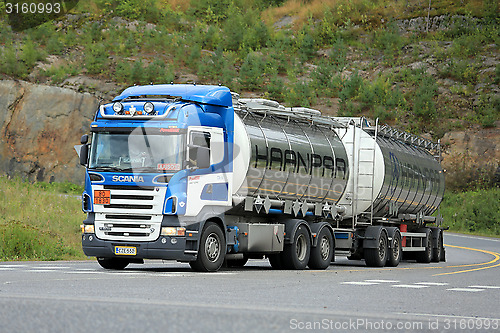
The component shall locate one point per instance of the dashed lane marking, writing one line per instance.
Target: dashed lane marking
(359, 283)
(485, 287)
(411, 286)
(433, 283)
(465, 289)
(383, 281)
(50, 267)
(12, 266)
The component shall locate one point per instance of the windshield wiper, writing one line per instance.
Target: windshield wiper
(109, 168)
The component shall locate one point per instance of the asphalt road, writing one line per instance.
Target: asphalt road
(462, 294)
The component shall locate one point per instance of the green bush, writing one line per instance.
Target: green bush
(251, 72)
(424, 106)
(9, 63)
(96, 58)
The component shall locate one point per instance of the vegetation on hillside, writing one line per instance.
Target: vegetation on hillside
(353, 57)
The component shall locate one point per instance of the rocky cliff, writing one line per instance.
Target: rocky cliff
(39, 125)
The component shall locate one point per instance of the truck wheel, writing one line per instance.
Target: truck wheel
(237, 262)
(426, 255)
(377, 257)
(322, 254)
(275, 260)
(395, 252)
(113, 263)
(212, 249)
(296, 255)
(436, 252)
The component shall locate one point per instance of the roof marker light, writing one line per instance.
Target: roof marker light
(149, 108)
(118, 107)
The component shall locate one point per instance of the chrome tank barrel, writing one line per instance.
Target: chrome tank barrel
(287, 159)
(413, 179)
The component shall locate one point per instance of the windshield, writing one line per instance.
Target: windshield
(132, 152)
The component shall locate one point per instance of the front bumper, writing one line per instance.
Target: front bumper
(165, 247)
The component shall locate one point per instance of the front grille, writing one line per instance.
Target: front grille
(132, 197)
(127, 234)
(128, 217)
(122, 206)
(134, 213)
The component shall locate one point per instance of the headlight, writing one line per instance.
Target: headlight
(149, 108)
(173, 231)
(118, 107)
(87, 228)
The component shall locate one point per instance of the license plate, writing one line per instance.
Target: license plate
(125, 251)
(102, 197)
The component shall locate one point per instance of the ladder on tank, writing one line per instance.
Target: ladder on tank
(363, 166)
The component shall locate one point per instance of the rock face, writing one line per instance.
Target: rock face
(39, 125)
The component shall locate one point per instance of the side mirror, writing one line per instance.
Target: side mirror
(203, 157)
(84, 154)
(84, 139)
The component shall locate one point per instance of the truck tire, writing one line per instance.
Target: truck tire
(275, 260)
(321, 255)
(377, 257)
(212, 249)
(296, 255)
(395, 252)
(436, 252)
(426, 255)
(113, 263)
(237, 262)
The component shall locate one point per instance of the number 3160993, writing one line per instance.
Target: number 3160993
(32, 8)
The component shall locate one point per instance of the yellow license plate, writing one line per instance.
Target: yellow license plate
(125, 251)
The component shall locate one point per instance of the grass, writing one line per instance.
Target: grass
(39, 221)
(473, 212)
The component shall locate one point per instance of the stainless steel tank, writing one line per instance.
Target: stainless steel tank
(288, 159)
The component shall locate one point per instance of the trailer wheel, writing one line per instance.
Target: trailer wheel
(113, 263)
(212, 249)
(436, 252)
(426, 255)
(275, 260)
(395, 252)
(296, 255)
(377, 257)
(321, 255)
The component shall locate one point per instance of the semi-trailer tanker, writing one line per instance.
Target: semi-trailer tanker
(196, 174)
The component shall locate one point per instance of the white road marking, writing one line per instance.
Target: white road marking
(6, 269)
(83, 272)
(412, 286)
(474, 237)
(444, 316)
(465, 289)
(357, 283)
(13, 266)
(42, 271)
(50, 267)
(485, 287)
(433, 283)
(383, 281)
